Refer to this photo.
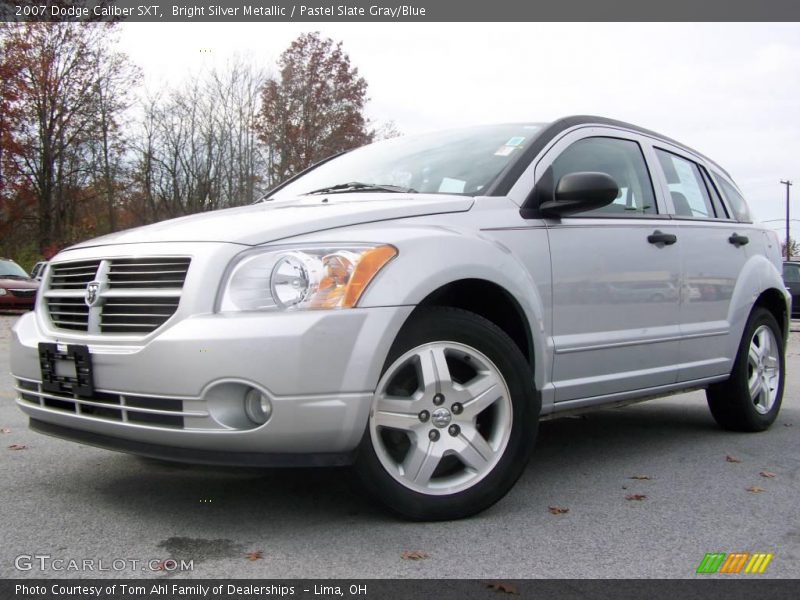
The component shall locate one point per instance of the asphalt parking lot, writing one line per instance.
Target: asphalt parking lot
(70, 501)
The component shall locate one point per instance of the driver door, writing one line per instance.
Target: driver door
(616, 275)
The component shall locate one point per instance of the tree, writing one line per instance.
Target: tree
(66, 90)
(314, 109)
(196, 149)
(114, 80)
(794, 248)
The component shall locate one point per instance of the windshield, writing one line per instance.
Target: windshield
(8, 268)
(463, 161)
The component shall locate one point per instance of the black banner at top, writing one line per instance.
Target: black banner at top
(399, 10)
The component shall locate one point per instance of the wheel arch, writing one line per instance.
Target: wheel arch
(759, 283)
(775, 302)
(492, 302)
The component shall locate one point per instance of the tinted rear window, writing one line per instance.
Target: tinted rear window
(735, 200)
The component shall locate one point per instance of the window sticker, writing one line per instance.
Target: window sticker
(504, 150)
(451, 186)
(516, 141)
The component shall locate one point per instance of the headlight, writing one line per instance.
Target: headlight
(303, 278)
(3, 292)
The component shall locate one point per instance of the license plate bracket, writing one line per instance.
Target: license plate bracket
(56, 378)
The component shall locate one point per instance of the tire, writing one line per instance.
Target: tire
(453, 420)
(759, 363)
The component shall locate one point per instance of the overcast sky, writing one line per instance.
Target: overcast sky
(731, 91)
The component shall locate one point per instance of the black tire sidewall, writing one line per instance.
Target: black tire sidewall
(454, 325)
(730, 403)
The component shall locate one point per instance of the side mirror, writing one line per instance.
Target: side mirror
(578, 192)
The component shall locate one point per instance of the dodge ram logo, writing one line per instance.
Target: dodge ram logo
(91, 293)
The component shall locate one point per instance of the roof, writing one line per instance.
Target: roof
(506, 180)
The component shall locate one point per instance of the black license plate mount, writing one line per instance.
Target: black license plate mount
(58, 379)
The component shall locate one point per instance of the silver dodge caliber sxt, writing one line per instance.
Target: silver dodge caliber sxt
(413, 308)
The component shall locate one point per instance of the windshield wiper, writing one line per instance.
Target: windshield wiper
(357, 186)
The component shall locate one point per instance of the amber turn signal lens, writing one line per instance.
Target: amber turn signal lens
(371, 262)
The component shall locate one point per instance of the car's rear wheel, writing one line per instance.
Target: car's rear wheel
(453, 419)
(751, 398)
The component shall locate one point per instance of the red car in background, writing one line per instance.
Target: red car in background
(17, 289)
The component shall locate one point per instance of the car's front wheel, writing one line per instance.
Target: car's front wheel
(453, 419)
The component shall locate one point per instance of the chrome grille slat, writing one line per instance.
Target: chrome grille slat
(66, 276)
(111, 406)
(123, 406)
(138, 315)
(148, 326)
(115, 272)
(149, 281)
(120, 264)
(135, 296)
(154, 304)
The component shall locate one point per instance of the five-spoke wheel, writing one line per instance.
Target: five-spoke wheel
(763, 369)
(751, 398)
(453, 419)
(441, 418)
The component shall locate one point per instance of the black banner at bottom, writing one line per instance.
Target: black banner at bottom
(461, 589)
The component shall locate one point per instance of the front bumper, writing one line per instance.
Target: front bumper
(318, 369)
(9, 301)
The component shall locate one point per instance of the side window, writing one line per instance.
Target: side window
(716, 199)
(622, 160)
(686, 186)
(735, 200)
(791, 273)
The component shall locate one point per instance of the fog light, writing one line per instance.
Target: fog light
(257, 406)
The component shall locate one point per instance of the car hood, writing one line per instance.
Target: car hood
(18, 284)
(275, 220)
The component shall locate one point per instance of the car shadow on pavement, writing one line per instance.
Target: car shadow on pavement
(611, 439)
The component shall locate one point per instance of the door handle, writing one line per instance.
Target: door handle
(659, 237)
(738, 240)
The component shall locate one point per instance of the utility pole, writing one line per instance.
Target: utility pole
(788, 184)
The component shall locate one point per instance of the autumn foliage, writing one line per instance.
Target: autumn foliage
(85, 151)
(314, 109)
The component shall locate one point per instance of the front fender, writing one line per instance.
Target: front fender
(436, 256)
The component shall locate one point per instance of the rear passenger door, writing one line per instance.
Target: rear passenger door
(615, 275)
(713, 249)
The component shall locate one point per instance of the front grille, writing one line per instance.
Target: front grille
(135, 296)
(157, 412)
(136, 315)
(68, 313)
(73, 275)
(147, 273)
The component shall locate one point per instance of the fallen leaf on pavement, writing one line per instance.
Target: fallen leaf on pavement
(5, 430)
(256, 555)
(767, 474)
(755, 489)
(787, 424)
(17, 447)
(638, 497)
(557, 510)
(640, 477)
(414, 555)
(499, 586)
(732, 459)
